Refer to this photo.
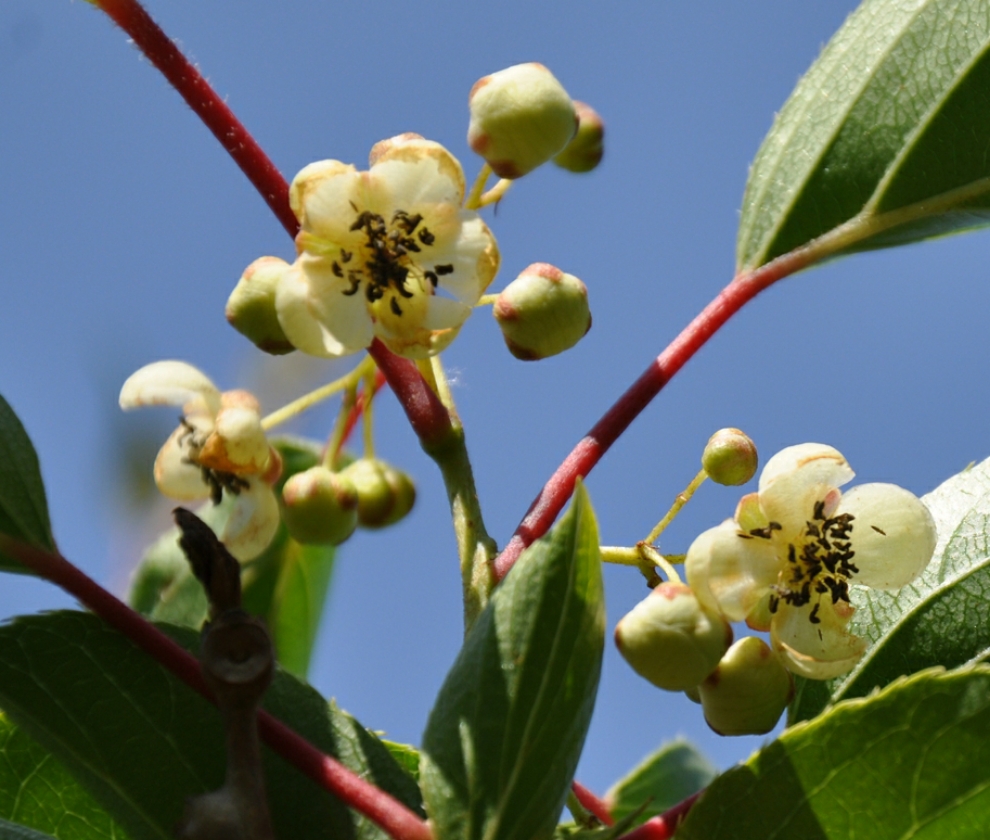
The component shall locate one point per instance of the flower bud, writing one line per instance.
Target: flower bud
(586, 148)
(319, 506)
(385, 495)
(251, 306)
(520, 118)
(748, 691)
(730, 457)
(542, 312)
(670, 640)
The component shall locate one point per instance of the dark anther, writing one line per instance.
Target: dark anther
(813, 618)
(355, 279)
(743, 536)
(394, 306)
(426, 237)
(791, 554)
(345, 256)
(337, 270)
(773, 526)
(432, 278)
(762, 533)
(774, 603)
(819, 510)
(880, 532)
(449, 269)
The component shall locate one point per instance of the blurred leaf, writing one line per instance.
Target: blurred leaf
(660, 781)
(907, 762)
(12, 831)
(507, 729)
(36, 791)
(573, 831)
(23, 507)
(140, 742)
(939, 619)
(406, 756)
(883, 142)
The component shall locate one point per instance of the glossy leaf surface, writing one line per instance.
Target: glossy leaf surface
(507, 729)
(661, 780)
(907, 762)
(140, 742)
(23, 506)
(883, 140)
(942, 618)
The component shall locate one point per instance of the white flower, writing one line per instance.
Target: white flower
(387, 253)
(787, 559)
(219, 446)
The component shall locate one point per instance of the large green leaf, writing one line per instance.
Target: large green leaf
(507, 729)
(23, 507)
(942, 618)
(36, 791)
(660, 781)
(12, 831)
(286, 585)
(140, 741)
(909, 762)
(883, 141)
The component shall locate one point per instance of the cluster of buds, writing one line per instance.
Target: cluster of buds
(784, 564)
(323, 506)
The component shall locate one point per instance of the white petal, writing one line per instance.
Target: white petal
(321, 196)
(170, 383)
(730, 572)
(336, 326)
(253, 521)
(174, 475)
(475, 257)
(819, 650)
(418, 172)
(893, 534)
(439, 327)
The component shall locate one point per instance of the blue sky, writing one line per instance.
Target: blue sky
(124, 227)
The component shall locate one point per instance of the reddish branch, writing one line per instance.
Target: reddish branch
(590, 449)
(664, 826)
(390, 814)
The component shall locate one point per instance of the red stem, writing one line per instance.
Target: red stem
(590, 449)
(358, 409)
(210, 108)
(664, 826)
(383, 810)
(592, 803)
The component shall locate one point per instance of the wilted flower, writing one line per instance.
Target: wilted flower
(219, 447)
(388, 252)
(788, 557)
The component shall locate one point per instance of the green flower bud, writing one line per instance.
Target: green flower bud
(385, 494)
(542, 312)
(319, 506)
(730, 457)
(586, 148)
(749, 690)
(520, 118)
(670, 640)
(251, 306)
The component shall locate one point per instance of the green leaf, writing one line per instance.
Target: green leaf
(507, 729)
(37, 792)
(406, 756)
(939, 619)
(140, 742)
(907, 762)
(23, 507)
(883, 141)
(660, 781)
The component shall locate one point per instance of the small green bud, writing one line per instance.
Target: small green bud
(586, 148)
(730, 457)
(670, 640)
(748, 691)
(520, 118)
(319, 506)
(251, 306)
(542, 312)
(385, 494)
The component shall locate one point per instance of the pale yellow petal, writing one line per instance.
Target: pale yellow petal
(819, 649)
(170, 383)
(418, 172)
(253, 521)
(893, 534)
(175, 476)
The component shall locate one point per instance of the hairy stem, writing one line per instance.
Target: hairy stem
(383, 810)
(590, 449)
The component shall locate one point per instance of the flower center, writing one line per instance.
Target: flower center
(387, 253)
(193, 441)
(819, 562)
